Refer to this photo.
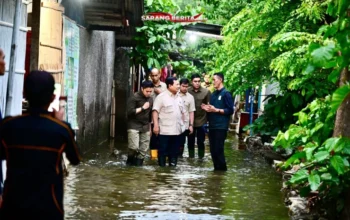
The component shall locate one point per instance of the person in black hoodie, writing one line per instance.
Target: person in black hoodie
(139, 123)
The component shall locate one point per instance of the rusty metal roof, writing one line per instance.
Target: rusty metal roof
(105, 14)
(112, 14)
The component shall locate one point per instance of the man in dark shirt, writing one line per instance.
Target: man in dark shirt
(139, 122)
(32, 145)
(219, 111)
(201, 96)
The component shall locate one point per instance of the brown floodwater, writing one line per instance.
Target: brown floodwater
(103, 187)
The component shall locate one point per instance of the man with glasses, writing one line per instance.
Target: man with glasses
(201, 96)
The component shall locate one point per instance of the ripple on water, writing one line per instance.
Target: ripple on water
(105, 188)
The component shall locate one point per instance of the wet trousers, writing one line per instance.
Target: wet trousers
(138, 143)
(168, 146)
(198, 132)
(217, 140)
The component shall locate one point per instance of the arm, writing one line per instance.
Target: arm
(228, 110)
(72, 151)
(131, 106)
(155, 116)
(207, 98)
(133, 109)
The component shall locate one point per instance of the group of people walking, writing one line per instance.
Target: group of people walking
(162, 115)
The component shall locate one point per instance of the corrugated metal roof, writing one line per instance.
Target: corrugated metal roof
(111, 14)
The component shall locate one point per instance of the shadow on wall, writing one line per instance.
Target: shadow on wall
(96, 70)
(122, 91)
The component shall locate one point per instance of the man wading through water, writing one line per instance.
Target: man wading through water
(139, 123)
(159, 87)
(32, 145)
(219, 111)
(201, 96)
(168, 119)
(189, 113)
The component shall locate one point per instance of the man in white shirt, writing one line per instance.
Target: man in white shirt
(168, 120)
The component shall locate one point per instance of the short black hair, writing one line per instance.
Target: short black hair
(170, 81)
(147, 84)
(184, 81)
(195, 75)
(39, 86)
(220, 75)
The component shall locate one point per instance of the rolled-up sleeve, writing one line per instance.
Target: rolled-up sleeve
(157, 104)
(228, 110)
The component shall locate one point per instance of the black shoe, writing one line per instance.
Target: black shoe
(138, 162)
(130, 160)
(200, 154)
(172, 162)
(221, 168)
(161, 161)
(191, 153)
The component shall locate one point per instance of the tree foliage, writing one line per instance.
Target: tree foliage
(156, 39)
(302, 45)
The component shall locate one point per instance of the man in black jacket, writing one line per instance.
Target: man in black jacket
(219, 111)
(32, 145)
(139, 123)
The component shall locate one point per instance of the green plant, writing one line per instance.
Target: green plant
(156, 39)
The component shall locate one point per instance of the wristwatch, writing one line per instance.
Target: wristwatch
(142, 109)
(190, 125)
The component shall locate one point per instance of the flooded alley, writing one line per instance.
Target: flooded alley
(103, 187)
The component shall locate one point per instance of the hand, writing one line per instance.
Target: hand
(156, 130)
(211, 108)
(59, 114)
(205, 107)
(146, 105)
(191, 129)
(208, 108)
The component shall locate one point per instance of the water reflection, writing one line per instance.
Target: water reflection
(104, 188)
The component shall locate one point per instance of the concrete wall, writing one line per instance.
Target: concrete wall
(96, 71)
(122, 91)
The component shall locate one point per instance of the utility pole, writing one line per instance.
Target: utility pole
(12, 69)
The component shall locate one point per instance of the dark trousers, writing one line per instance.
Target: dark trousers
(217, 140)
(183, 141)
(154, 142)
(168, 146)
(198, 132)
